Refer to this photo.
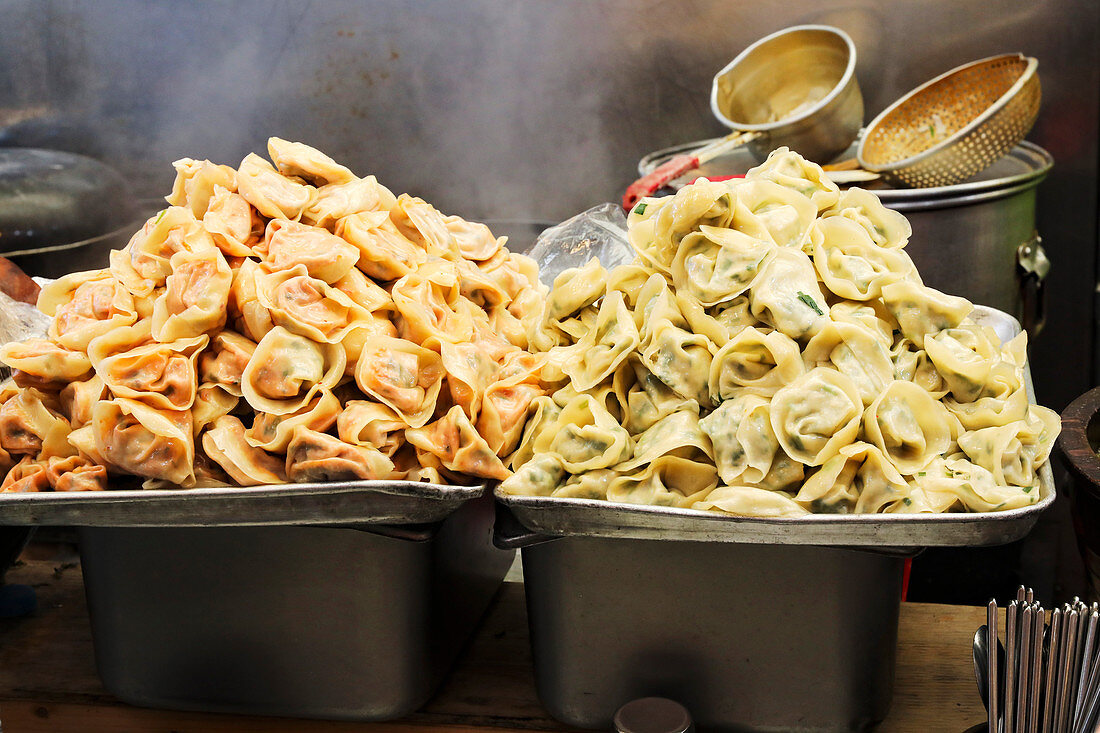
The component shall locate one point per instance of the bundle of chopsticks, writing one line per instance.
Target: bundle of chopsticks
(1051, 676)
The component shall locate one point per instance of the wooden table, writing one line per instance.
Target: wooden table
(48, 682)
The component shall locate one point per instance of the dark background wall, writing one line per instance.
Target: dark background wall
(521, 109)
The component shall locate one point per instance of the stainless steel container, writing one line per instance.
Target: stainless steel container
(976, 239)
(358, 622)
(747, 637)
(754, 624)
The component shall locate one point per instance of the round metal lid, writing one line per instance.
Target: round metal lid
(1027, 163)
(53, 200)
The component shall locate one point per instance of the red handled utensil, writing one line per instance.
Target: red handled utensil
(677, 166)
(844, 173)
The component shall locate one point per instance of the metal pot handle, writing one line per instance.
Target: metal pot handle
(1032, 267)
(509, 534)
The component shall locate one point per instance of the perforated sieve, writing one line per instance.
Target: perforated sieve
(955, 125)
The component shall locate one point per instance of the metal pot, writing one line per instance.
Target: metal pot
(976, 239)
(982, 244)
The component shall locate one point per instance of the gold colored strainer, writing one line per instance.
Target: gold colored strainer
(956, 125)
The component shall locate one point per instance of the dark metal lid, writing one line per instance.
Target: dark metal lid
(50, 198)
(653, 715)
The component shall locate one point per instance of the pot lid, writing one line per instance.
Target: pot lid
(50, 198)
(1027, 163)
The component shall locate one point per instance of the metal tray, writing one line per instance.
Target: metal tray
(598, 518)
(339, 502)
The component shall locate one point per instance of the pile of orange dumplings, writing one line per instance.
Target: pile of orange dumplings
(282, 321)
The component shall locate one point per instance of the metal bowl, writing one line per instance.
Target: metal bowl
(956, 125)
(796, 87)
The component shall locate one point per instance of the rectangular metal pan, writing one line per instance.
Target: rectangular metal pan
(338, 502)
(317, 622)
(595, 518)
(747, 637)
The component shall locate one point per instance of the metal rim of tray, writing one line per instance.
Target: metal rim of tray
(343, 502)
(123, 230)
(567, 516)
(1036, 159)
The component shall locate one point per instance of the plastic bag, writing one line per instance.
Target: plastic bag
(599, 232)
(20, 321)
